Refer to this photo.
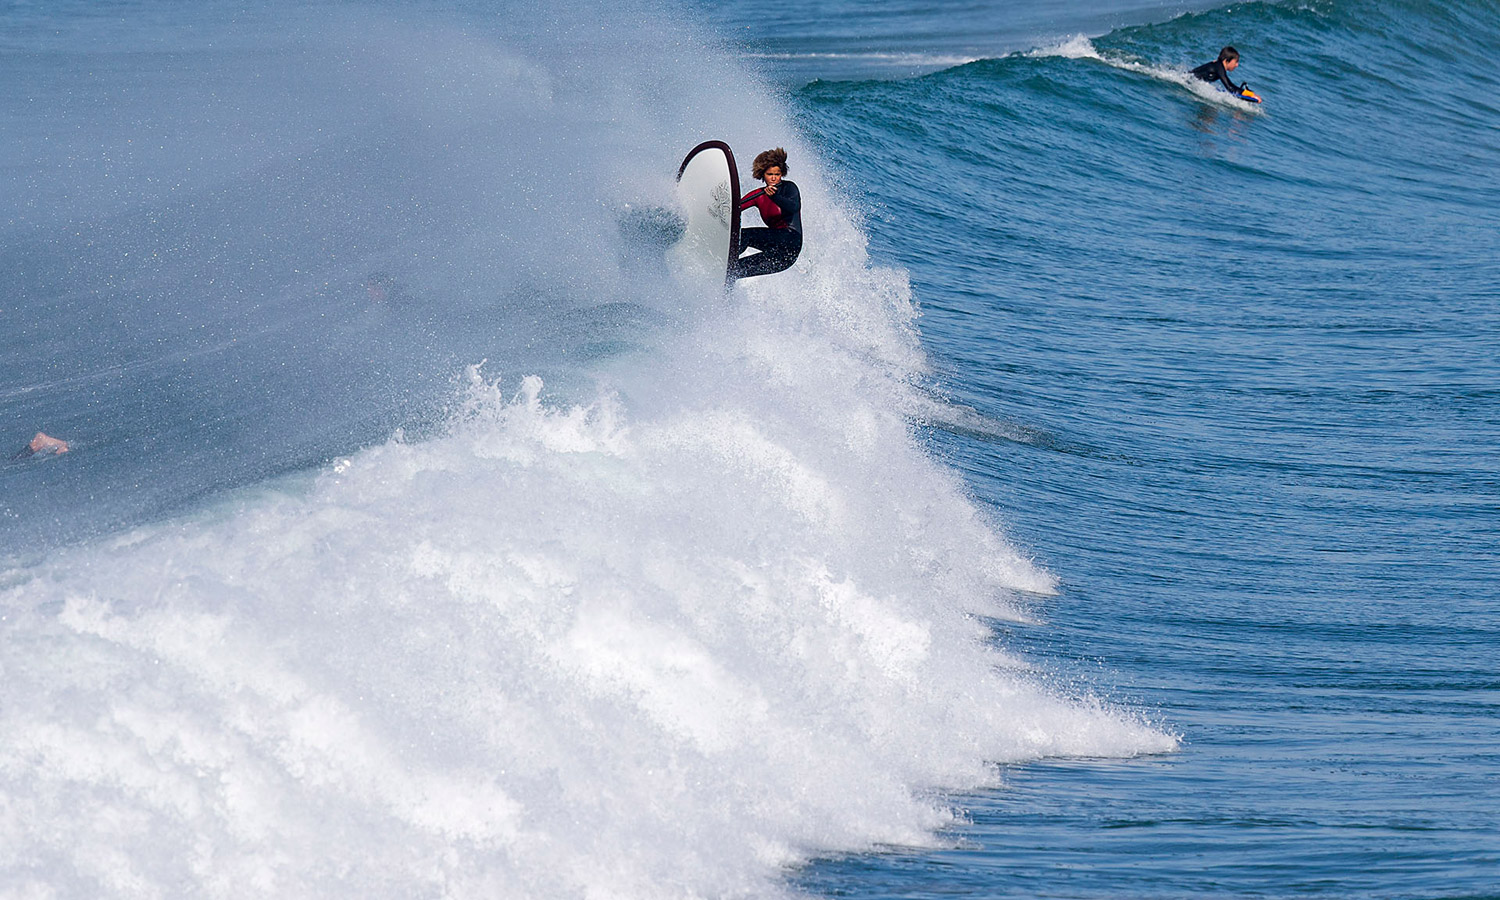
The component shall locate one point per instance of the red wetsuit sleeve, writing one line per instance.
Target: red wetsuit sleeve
(769, 211)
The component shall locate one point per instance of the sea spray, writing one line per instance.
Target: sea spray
(651, 619)
(563, 650)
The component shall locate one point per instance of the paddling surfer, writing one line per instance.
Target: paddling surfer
(1219, 69)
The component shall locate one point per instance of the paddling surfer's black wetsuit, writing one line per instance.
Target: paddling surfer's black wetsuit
(780, 242)
(1215, 71)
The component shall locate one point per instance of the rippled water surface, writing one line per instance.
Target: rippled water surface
(1106, 505)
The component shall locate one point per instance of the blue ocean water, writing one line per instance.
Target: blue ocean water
(1247, 357)
(1106, 505)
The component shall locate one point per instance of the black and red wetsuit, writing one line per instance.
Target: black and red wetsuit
(780, 241)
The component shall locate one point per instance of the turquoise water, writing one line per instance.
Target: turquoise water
(1107, 505)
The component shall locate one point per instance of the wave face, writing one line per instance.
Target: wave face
(1257, 348)
(1344, 85)
(1093, 177)
(663, 597)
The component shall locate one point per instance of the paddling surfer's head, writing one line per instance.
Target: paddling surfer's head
(1230, 57)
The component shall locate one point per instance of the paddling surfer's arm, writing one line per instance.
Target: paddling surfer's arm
(1229, 85)
(1217, 71)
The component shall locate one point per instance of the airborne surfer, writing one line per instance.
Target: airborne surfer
(780, 206)
(1219, 69)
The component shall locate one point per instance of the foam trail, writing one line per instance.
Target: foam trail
(700, 612)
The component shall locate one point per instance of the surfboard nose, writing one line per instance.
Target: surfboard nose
(708, 190)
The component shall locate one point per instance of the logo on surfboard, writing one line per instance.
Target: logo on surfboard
(719, 203)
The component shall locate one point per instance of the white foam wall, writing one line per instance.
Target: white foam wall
(657, 639)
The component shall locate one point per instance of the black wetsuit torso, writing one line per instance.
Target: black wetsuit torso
(1215, 71)
(780, 242)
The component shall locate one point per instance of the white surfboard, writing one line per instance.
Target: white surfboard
(708, 192)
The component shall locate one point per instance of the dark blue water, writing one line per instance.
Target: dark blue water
(1107, 505)
(1258, 350)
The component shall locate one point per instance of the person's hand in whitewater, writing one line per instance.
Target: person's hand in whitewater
(43, 443)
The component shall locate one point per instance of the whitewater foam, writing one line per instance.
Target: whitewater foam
(559, 652)
(564, 650)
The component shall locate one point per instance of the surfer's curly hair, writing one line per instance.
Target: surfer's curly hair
(766, 160)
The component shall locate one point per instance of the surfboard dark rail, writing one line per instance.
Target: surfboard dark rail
(734, 200)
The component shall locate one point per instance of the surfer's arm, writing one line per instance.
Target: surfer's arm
(752, 199)
(770, 210)
(1229, 86)
(788, 201)
(1215, 71)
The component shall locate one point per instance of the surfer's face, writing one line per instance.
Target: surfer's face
(1231, 64)
(773, 176)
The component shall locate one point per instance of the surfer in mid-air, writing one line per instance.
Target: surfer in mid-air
(1219, 69)
(780, 207)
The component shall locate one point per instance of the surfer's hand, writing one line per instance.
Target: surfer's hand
(770, 190)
